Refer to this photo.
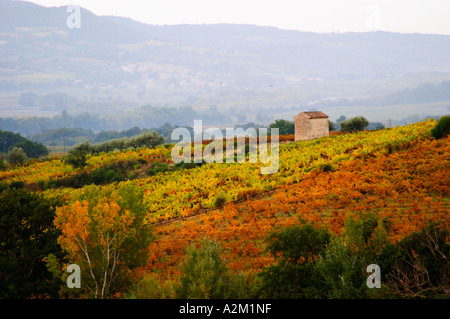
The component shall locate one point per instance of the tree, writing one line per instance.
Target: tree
(9, 140)
(441, 129)
(2, 163)
(33, 149)
(285, 127)
(354, 124)
(104, 231)
(27, 235)
(78, 155)
(16, 156)
(206, 275)
(83, 147)
(297, 250)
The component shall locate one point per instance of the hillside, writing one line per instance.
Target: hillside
(215, 184)
(407, 187)
(369, 193)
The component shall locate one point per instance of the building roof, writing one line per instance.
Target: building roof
(314, 115)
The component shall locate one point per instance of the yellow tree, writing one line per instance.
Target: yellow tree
(105, 233)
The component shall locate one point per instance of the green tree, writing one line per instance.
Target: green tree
(285, 127)
(27, 235)
(83, 147)
(354, 124)
(33, 149)
(205, 274)
(16, 156)
(441, 129)
(151, 139)
(297, 250)
(343, 272)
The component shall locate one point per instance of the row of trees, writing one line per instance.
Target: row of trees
(77, 156)
(441, 129)
(73, 136)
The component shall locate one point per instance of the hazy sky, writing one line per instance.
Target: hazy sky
(421, 16)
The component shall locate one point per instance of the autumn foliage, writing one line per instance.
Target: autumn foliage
(405, 189)
(397, 177)
(99, 233)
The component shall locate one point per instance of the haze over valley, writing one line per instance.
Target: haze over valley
(117, 73)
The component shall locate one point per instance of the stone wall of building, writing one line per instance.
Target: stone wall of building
(307, 128)
(301, 127)
(318, 128)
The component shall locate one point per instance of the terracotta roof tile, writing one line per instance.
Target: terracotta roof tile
(315, 115)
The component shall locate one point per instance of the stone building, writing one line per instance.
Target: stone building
(311, 125)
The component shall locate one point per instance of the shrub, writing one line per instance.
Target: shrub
(17, 185)
(27, 235)
(343, 272)
(418, 266)
(150, 287)
(285, 127)
(111, 176)
(297, 250)
(219, 201)
(2, 164)
(76, 158)
(354, 124)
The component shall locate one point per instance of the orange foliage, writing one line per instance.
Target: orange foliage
(405, 187)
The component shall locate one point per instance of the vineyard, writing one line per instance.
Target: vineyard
(406, 188)
(399, 175)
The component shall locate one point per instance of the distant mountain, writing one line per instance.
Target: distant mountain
(115, 61)
(107, 50)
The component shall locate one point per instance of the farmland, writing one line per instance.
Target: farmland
(396, 178)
